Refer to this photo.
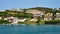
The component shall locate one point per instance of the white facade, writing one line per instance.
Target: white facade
(0, 17)
(46, 19)
(15, 21)
(22, 20)
(16, 9)
(57, 16)
(33, 19)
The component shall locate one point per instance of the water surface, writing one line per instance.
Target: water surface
(29, 29)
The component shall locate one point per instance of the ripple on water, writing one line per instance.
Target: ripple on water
(30, 29)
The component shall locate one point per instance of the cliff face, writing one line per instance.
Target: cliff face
(42, 9)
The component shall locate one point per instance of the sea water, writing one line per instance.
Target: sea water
(29, 29)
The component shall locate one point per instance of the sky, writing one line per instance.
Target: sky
(9, 4)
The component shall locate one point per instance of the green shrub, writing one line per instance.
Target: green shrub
(52, 22)
(4, 21)
(20, 22)
(42, 22)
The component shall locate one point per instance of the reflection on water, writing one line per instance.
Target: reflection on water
(29, 29)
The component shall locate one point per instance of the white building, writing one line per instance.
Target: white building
(34, 19)
(16, 9)
(12, 19)
(57, 16)
(15, 20)
(22, 20)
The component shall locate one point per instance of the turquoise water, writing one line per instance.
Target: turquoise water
(29, 29)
